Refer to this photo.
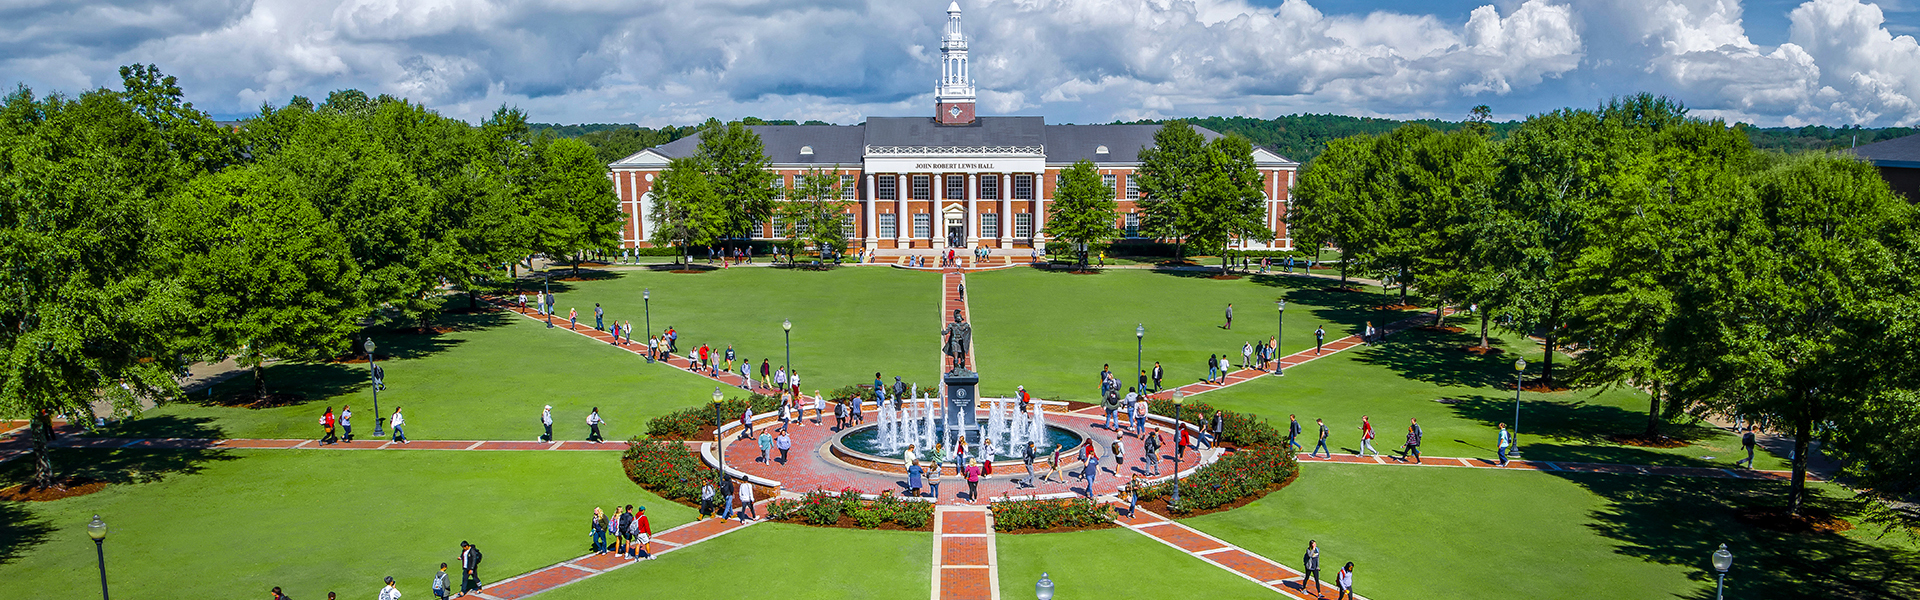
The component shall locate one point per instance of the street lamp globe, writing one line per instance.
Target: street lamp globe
(1282, 305)
(1140, 331)
(716, 395)
(1722, 559)
(98, 530)
(1179, 396)
(1520, 365)
(786, 324)
(646, 294)
(368, 346)
(1044, 588)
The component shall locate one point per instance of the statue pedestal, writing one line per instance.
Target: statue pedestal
(961, 395)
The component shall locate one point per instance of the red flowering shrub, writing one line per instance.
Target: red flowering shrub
(666, 468)
(1247, 472)
(687, 422)
(1011, 515)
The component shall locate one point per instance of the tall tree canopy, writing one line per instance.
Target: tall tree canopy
(1083, 208)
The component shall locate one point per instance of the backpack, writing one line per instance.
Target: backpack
(476, 556)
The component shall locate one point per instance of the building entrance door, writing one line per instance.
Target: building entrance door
(956, 232)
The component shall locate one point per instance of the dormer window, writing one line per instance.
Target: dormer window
(806, 150)
(1100, 150)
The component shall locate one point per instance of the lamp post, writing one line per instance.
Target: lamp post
(98, 531)
(787, 326)
(376, 388)
(1722, 560)
(1044, 588)
(1139, 347)
(719, 444)
(1179, 427)
(1519, 370)
(1278, 329)
(646, 302)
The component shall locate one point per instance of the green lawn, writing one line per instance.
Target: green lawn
(1052, 331)
(1402, 378)
(847, 322)
(1458, 533)
(486, 380)
(232, 524)
(1112, 563)
(776, 560)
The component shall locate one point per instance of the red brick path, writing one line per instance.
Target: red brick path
(964, 567)
(1258, 569)
(557, 575)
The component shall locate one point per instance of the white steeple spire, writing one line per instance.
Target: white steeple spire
(954, 94)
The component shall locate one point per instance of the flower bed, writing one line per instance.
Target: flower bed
(1033, 516)
(666, 468)
(1239, 429)
(1244, 474)
(847, 509)
(688, 423)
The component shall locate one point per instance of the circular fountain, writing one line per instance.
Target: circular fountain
(997, 427)
(866, 440)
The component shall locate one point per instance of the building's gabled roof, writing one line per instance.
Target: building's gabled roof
(1900, 152)
(830, 145)
(984, 131)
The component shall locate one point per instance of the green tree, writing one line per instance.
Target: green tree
(572, 190)
(1169, 171)
(686, 209)
(1805, 316)
(87, 319)
(736, 164)
(263, 274)
(1333, 203)
(1084, 209)
(813, 213)
(1227, 203)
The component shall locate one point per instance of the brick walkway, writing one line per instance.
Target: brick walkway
(1560, 467)
(564, 573)
(1239, 561)
(964, 565)
(1302, 357)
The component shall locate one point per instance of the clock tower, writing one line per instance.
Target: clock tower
(953, 95)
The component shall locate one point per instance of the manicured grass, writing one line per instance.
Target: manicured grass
(776, 560)
(487, 380)
(1459, 533)
(1112, 563)
(236, 523)
(1401, 379)
(847, 322)
(1052, 331)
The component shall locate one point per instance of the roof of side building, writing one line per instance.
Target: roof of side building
(1900, 152)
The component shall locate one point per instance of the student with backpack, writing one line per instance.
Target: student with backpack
(469, 568)
(440, 583)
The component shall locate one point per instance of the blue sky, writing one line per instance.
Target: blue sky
(658, 62)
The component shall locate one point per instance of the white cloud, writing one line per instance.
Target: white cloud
(674, 61)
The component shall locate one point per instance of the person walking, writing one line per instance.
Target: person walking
(1246, 355)
(1747, 441)
(597, 528)
(593, 426)
(1413, 441)
(1229, 325)
(784, 443)
(746, 502)
(396, 422)
(1053, 468)
(1213, 367)
(1501, 444)
(642, 536)
(780, 378)
(469, 568)
(730, 357)
(819, 406)
(972, 471)
(1219, 427)
(391, 592)
(546, 421)
(1311, 564)
(1344, 581)
(440, 583)
(1152, 446)
(1026, 458)
(766, 444)
(599, 317)
(1322, 446)
(1092, 470)
(1366, 437)
(746, 423)
(1119, 459)
(1140, 409)
(1157, 374)
(1319, 340)
(326, 427)
(1293, 432)
(914, 475)
(346, 423)
(707, 497)
(1369, 334)
(1133, 497)
(934, 477)
(573, 319)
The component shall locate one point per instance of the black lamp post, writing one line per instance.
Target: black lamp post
(1278, 330)
(1519, 370)
(376, 388)
(1044, 588)
(1139, 347)
(1179, 427)
(719, 443)
(787, 326)
(1722, 560)
(98, 531)
(646, 301)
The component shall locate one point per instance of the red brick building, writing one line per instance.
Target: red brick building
(955, 179)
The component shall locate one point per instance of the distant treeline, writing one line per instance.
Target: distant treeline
(1299, 137)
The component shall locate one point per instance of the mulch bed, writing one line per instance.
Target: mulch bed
(250, 400)
(356, 359)
(1487, 351)
(673, 271)
(1443, 329)
(1342, 289)
(1640, 440)
(1810, 520)
(847, 522)
(66, 487)
(1538, 386)
(1225, 277)
(1397, 306)
(430, 330)
(1177, 263)
(484, 308)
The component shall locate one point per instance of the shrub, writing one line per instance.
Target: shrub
(688, 422)
(783, 509)
(868, 518)
(914, 515)
(1247, 472)
(1048, 514)
(666, 468)
(820, 508)
(824, 508)
(1239, 429)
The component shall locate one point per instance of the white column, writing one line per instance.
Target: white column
(1006, 209)
(936, 211)
(902, 222)
(872, 224)
(1039, 208)
(973, 211)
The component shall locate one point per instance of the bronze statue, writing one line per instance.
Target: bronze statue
(959, 340)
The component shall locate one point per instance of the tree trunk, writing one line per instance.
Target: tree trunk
(1802, 437)
(1343, 267)
(473, 300)
(1546, 370)
(259, 379)
(576, 264)
(1440, 315)
(1653, 413)
(42, 426)
(1483, 329)
(1403, 285)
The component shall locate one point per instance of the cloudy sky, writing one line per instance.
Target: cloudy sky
(655, 62)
